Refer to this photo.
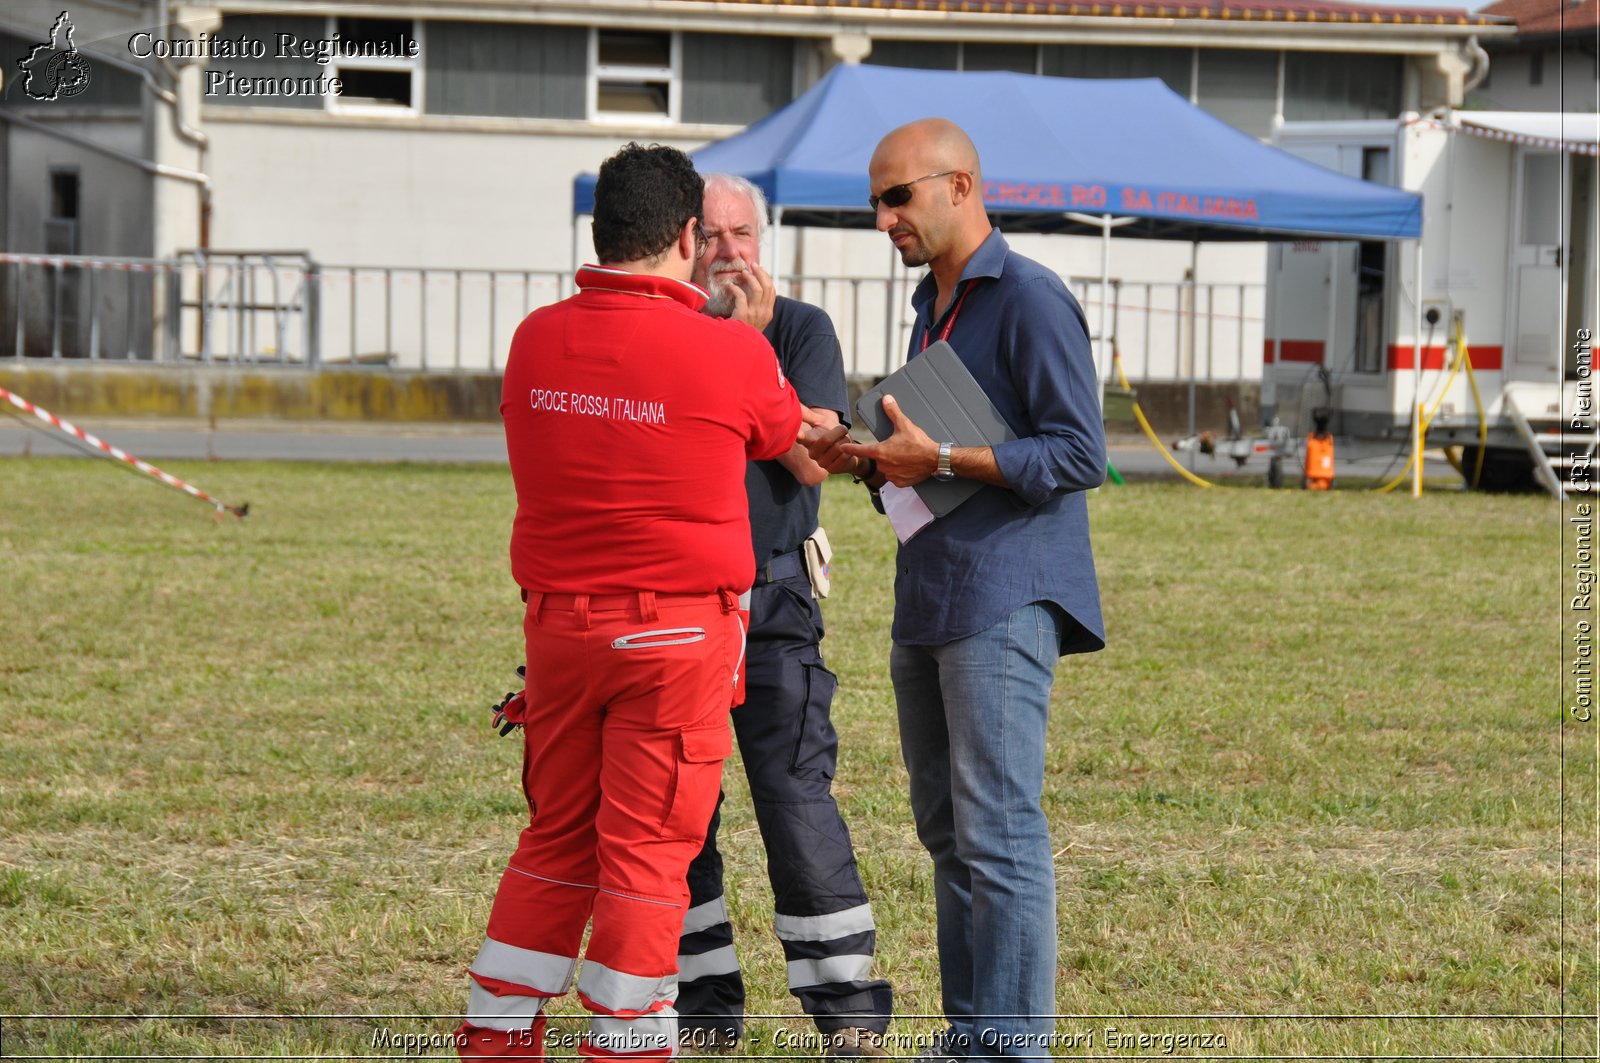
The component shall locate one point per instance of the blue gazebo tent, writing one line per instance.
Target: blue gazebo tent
(1053, 148)
(1059, 155)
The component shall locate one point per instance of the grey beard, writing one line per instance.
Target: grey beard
(721, 303)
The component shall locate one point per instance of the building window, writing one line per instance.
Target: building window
(916, 55)
(1174, 66)
(64, 194)
(61, 227)
(634, 75)
(1375, 165)
(1372, 274)
(1327, 86)
(735, 79)
(378, 65)
(955, 55)
(1017, 58)
(1240, 87)
(506, 69)
(266, 30)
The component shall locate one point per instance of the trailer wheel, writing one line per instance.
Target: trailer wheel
(1275, 472)
(1504, 471)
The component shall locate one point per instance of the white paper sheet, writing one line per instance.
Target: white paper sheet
(906, 511)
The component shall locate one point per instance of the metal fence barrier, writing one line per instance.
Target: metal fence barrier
(55, 307)
(266, 308)
(1178, 330)
(1165, 330)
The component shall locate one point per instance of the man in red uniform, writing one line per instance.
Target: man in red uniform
(629, 417)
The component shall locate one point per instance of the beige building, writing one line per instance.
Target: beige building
(459, 126)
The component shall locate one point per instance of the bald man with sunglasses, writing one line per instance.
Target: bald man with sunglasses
(989, 596)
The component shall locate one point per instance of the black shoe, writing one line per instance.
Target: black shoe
(853, 1043)
(945, 1049)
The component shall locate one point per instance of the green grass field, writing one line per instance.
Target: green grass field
(1311, 801)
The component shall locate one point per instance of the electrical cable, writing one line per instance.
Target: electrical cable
(1427, 419)
(1477, 399)
(1400, 451)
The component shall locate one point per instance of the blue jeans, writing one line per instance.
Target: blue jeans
(972, 730)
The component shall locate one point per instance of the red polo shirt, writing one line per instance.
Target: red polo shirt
(629, 417)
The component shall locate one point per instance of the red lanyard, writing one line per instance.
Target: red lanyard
(949, 322)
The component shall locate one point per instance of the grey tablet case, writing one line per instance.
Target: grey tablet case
(940, 396)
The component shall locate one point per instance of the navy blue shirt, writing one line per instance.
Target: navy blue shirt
(1023, 337)
(783, 513)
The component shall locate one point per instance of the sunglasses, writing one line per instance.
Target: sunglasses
(899, 195)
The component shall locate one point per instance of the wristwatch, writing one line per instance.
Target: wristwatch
(944, 471)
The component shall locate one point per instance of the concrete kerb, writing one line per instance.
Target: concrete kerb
(387, 397)
(241, 392)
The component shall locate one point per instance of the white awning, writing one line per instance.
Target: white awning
(1569, 131)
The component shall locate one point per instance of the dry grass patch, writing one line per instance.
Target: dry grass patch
(1317, 772)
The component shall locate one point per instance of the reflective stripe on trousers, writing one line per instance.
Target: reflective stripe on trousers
(624, 737)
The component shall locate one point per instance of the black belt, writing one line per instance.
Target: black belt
(785, 566)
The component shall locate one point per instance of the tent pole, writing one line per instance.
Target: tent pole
(576, 237)
(776, 268)
(1416, 380)
(1194, 359)
(1269, 334)
(1105, 223)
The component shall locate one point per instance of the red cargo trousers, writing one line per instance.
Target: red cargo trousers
(626, 729)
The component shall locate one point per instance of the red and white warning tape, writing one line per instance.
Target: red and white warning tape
(121, 455)
(1574, 146)
(1464, 124)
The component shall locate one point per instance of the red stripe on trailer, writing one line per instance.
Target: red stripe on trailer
(118, 453)
(1300, 350)
(1484, 358)
(1267, 351)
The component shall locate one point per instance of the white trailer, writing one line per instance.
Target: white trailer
(1507, 257)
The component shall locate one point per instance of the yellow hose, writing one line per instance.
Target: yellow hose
(1138, 414)
(1427, 419)
(1477, 399)
(1422, 438)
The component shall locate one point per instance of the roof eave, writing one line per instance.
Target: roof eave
(1279, 29)
(1545, 38)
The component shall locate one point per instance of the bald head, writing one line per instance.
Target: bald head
(936, 143)
(928, 193)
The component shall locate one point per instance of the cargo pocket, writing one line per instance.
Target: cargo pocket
(816, 743)
(696, 781)
(527, 779)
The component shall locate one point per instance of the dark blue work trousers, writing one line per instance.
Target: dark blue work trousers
(790, 751)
